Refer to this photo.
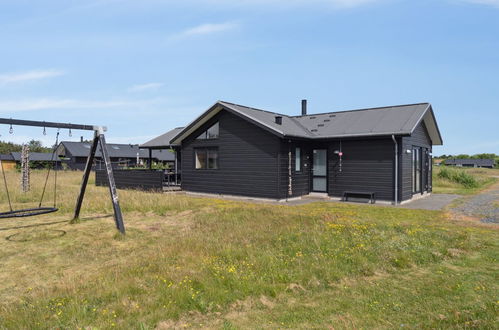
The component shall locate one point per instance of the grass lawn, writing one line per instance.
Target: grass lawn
(199, 262)
(483, 177)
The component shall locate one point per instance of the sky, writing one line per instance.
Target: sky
(144, 67)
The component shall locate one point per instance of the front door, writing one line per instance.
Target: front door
(319, 170)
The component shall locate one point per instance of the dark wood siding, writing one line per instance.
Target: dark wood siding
(300, 180)
(419, 138)
(247, 160)
(367, 165)
(254, 162)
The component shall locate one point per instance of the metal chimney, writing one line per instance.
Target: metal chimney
(303, 107)
(278, 120)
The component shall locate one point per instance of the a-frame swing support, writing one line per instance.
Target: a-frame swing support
(99, 138)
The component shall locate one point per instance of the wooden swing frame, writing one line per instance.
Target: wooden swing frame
(99, 139)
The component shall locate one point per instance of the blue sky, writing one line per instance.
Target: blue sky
(143, 67)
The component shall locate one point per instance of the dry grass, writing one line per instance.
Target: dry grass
(202, 262)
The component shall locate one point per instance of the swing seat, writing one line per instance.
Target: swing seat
(27, 212)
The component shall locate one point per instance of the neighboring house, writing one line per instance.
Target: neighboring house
(122, 155)
(162, 143)
(38, 159)
(237, 150)
(487, 163)
(438, 161)
(8, 161)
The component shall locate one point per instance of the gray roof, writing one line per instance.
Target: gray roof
(35, 156)
(163, 141)
(383, 121)
(162, 155)
(470, 161)
(6, 157)
(82, 149)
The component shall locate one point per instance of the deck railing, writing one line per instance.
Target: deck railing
(140, 179)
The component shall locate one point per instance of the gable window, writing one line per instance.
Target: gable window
(297, 160)
(206, 158)
(210, 133)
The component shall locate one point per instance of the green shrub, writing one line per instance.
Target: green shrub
(459, 176)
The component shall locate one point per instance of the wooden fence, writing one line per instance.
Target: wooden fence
(133, 179)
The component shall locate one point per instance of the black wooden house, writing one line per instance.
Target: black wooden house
(237, 150)
(75, 155)
(470, 162)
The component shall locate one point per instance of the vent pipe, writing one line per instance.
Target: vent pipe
(303, 107)
(278, 120)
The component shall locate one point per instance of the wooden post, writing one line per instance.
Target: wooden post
(150, 159)
(176, 169)
(118, 217)
(86, 174)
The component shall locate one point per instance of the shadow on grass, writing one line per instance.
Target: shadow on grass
(55, 222)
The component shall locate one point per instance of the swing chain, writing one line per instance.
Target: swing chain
(48, 174)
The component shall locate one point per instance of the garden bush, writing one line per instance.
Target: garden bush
(459, 176)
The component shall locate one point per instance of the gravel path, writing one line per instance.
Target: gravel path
(485, 205)
(432, 202)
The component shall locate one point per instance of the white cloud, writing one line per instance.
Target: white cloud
(494, 3)
(67, 104)
(205, 29)
(29, 76)
(145, 87)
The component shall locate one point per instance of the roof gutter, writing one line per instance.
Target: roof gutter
(339, 137)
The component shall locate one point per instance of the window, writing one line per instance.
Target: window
(212, 159)
(416, 170)
(206, 158)
(200, 159)
(202, 136)
(297, 160)
(210, 133)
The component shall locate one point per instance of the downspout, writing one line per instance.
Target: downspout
(279, 173)
(396, 169)
(290, 175)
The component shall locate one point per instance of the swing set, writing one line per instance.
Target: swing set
(99, 139)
